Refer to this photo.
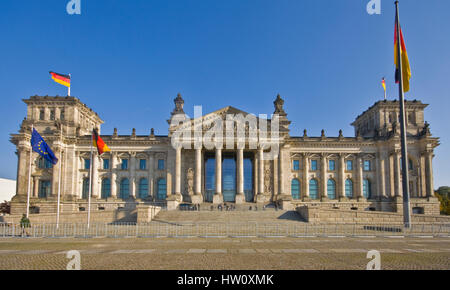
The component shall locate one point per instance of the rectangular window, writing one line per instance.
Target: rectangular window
(142, 164)
(87, 163)
(313, 165)
(161, 164)
(61, 115)
(331, 165)
(124, 165)
(105, 163)
(52, 115)
(349, 165)
(296, 165)
(367, 165)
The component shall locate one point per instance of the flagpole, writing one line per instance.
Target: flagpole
(68, 93)
(59, 181)
(90, 187)
(405, 177)
(29, 175)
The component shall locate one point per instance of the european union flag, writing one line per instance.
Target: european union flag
(38, 144)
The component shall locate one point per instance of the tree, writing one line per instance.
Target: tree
(445, 203)
(5, 207)
(444, 191)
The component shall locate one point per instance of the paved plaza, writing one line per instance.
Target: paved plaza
(226, 253)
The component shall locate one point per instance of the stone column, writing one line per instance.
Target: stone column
(305, 181)
(281, 174)
(240, 198)
(391, 175)
(113, 175)
(198, 171)
(55, 173)
(261, 171)
(341, 186)
(178, 171)
(35, 186)
(397, 176)
(423, 174)
(381, 176)
(218, 198)
(359, 176)
(275, 175)
(323, 177)
(429, 170)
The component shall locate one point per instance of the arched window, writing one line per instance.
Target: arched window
(85, 193)
(331, 189)
(367, 192)
(162, 189)
(295, 188)
(106, 188)
(143, 188)
(313, 189)
(349, 188)
(125, 188)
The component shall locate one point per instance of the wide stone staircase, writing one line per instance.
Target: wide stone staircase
(235, 216)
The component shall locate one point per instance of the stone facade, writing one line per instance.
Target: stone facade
(360, 172)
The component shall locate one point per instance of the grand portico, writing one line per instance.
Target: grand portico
(226, 156)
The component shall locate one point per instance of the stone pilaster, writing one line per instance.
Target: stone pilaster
(397, 176)
(151, 175)
(198, 171)
(359, 177)
(240, 198)
(133, 175)
(305, 181)
(341, 183)
(323, 177)
(218, 198)
(261, 171)
(429, 170)
(178, 171)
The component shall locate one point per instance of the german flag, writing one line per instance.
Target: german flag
(383, 83)
(406, 69)
(61, 79)
(98, 142)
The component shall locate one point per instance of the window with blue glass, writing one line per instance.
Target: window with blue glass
(44, 163)
(367, 189)
(248, 179)
(367, 165)
(45, 188)
(162, 189)
(331, 189)
(331, 165)
(295, 188)
(142, 164)
(314, 189)
(105, 163)
(296, 164)
(124, 164)
(85, 190)
(106, 188)
(210, 178)
(161, 164)
(410, 165)
(87, 163)
(313, 165)
(349, 188)
(143, 188)
(349, 165)
(124, 188)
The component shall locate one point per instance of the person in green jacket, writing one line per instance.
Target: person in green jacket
(25, 223)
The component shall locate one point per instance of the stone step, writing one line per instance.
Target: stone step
(229, 216)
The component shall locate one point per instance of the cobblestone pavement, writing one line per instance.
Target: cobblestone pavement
(226, 253)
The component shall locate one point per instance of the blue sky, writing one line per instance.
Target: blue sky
(129, 59)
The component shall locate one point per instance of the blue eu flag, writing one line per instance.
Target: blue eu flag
(38, 144)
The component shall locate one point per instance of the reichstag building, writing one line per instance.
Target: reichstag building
(359, 172)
